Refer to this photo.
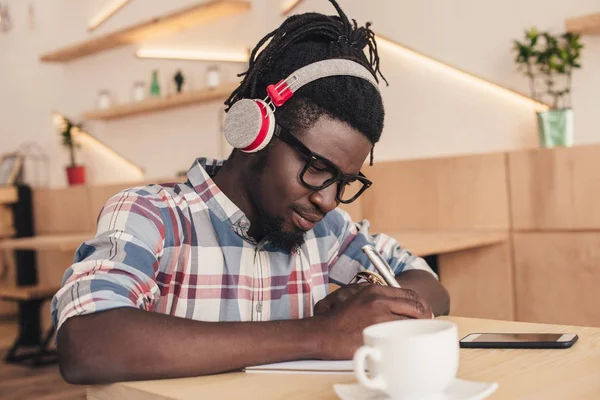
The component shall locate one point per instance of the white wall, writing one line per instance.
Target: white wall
(429, 111)
(28, 93)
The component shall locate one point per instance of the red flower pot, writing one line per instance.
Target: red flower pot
(76, 175)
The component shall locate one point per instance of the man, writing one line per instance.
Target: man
(231, 268)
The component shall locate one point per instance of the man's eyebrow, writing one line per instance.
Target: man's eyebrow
(338, 167)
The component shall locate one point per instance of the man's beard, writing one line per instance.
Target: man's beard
(277, 236)
(272, 225)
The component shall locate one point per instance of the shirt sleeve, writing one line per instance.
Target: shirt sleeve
(116, 268)
(349, 259)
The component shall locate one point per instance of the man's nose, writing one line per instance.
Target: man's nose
(326, 199)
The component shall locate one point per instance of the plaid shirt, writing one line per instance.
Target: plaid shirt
(183, 249)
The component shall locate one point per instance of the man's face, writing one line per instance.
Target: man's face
(288, 208)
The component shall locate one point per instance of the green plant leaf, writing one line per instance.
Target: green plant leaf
(532, 33)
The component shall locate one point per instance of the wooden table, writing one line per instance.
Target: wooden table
(522, 374)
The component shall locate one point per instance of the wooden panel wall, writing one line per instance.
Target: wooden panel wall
(62, 210)
(555, 189)
(555, 203)
(355, 209)
(73, 209)
(480, 282)
(558, 277)
(448, 194)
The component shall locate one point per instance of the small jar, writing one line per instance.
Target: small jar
(139, 91)
(213, 77)
(104, 100)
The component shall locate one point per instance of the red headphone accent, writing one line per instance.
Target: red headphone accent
(264, 128)
(279, 93)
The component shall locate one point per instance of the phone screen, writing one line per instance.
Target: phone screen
(517, 337)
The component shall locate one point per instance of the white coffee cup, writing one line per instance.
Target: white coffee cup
(409, 359)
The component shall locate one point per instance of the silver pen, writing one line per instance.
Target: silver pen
(380, 265)
(383, 267)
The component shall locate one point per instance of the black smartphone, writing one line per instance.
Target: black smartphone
(518, 340)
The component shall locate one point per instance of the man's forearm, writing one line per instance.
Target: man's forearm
(130, 344)
(429, 288)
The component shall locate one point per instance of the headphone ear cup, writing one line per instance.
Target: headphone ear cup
(249, 125)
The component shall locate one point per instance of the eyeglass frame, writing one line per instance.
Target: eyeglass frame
(288, 138)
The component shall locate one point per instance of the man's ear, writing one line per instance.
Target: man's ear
(255, 162)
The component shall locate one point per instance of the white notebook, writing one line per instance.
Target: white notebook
(305, 367)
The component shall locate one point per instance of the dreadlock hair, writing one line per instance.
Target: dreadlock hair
(307, 38)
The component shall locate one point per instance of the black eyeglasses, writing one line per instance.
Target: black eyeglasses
(319, 173)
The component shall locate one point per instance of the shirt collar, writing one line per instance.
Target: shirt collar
(200, 177)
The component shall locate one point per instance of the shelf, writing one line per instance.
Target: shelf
(28, 293)
(196, 15)
(585, 25)
(159, 104)
(430, 243)
(57, 242)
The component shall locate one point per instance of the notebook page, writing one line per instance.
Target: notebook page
(305, 367)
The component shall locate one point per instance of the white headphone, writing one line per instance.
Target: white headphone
(249, 123)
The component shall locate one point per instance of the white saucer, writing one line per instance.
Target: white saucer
(458, 390)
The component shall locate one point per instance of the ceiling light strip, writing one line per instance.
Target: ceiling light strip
(384, 42)
(105, 14)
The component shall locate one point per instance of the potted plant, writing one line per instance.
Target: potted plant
(68, 129)
(548, 61)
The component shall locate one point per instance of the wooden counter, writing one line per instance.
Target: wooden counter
(58, 242)
(430, 243)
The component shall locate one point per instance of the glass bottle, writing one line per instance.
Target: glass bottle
(139, 91)
(155, 86)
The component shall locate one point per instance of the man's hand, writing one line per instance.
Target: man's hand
(343, 323)
(338, 297)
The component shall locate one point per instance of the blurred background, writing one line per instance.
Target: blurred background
(488, 165)
(435, 105)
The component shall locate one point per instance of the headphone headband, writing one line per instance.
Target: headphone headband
(250, 123)
(280, 92)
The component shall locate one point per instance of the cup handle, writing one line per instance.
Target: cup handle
(360, 358)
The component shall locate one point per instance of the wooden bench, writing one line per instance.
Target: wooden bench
(31, 298)
(30, 347)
